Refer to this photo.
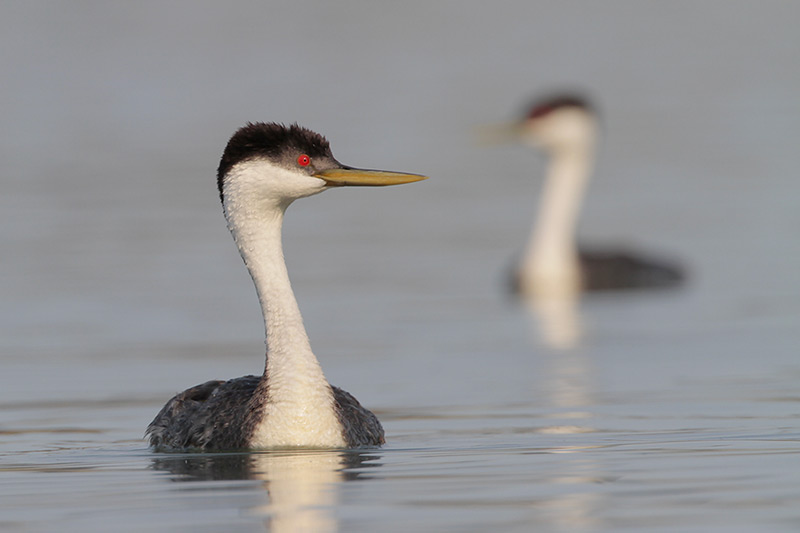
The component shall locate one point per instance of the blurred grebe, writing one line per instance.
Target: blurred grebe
(264, 168)
(564, 127)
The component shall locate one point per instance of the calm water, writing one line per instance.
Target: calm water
(673, 410)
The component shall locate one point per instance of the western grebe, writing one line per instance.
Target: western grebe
(264, 168)
(564, 127)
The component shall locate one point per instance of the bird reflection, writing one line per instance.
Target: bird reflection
(569, 379)
(302, 486)
(557, 319)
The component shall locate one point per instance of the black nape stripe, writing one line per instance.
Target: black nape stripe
(548, 104)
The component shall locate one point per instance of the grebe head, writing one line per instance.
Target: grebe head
(275, 164)
(558, 123)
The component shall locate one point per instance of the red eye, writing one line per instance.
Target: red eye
(303, 160)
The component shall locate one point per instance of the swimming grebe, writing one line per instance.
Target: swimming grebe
(264, 168)
(564, 126)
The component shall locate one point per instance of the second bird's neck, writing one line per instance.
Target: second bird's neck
(551, 260)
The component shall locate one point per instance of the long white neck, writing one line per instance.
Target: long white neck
(258, 236)
(299, 409)
(551, 261)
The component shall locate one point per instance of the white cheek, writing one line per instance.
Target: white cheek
(302, 186)
(259, 181)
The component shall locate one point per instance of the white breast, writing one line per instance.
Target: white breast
(302, 418)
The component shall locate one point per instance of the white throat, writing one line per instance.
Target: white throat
(551, 263)
(300, 406)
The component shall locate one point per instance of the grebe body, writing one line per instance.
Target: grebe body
(264, 168)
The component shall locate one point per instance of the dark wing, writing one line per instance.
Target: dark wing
(614, 270)
(359, 426)
(216, 415)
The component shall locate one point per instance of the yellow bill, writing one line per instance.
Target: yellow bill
(374, 178)
(501, 133)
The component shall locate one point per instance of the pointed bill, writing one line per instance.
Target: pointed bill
(374, 178)
(500, 133)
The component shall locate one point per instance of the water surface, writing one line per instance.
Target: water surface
(671, 410)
